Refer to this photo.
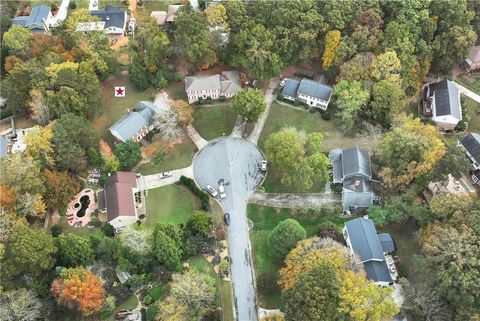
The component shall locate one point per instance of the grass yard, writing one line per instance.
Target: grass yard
(473, 109)
(129, 304)
(265, 219)
(281, 116)
(157, 292)
(115, 108)
(213, 122)
(80, 231)
(170, 204)
(179, 156)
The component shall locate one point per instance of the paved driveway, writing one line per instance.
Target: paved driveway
(269, 98)
(296, 200)
(156, 180)
(236, 161)
(467, 92)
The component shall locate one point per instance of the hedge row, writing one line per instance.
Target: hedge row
(188, 182)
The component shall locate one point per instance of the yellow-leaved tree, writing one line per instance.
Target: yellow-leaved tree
(39, 145)
(332, 39)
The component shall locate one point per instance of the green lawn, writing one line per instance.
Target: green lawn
(281, 116)
(265, 219)
(213, 122)
(129, 304)
(180, 156)
(114, 107)
(170, 204)
(200, 264)
(157, 292)
(473, 109)
(80, 231)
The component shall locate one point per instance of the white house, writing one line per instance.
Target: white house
(227, 85)
(117, 199)
(307, 91)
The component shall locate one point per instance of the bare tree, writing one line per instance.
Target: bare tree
(167, 123)
(20, 304)
(137, 242)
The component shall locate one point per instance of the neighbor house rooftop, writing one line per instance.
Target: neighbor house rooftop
(112, 16)
(315, 89)
(118, 194)
(446, 97)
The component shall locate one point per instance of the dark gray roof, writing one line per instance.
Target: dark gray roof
(356, 199)
(356, 161)
(35, 20)
(112, 16)
(387, 242)
(314, 89)
(447, 100)
(131, 123)
(377, 271)
(364, 239)
(335, 157)
(471, 143)
(101, 199)
(290, 87)
(3, 147)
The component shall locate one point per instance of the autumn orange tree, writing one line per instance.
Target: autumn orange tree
(60, 187)
(78, 289)
(8, 197)
(184, 112)
(408, 151)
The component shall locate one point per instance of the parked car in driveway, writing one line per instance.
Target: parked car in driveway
(221, 190)
(211, 191)
(263, 166)
(282, 83)
(165, 174)
(226, 219)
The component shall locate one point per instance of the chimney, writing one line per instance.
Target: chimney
(365, 217)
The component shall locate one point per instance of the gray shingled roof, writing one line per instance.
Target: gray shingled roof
(447, 100)
(356, 161)
(377, 271)
(199, 83)
(314, 89)
(387, 242)
(290, 87)
(471, 143)
(364, 239)
(231, 83)
(356, 199)
(132, 122)
(112, 16)
(335, 157)
(3, 147)
(35, 20)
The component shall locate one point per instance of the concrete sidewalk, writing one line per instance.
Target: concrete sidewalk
(467, 92)
(196, 138)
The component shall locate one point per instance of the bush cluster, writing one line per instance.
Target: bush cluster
(188, 182)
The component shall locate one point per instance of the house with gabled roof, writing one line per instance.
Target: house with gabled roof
(370, 250)
(307, 91)
(442, 103)
(117, 199)
(227, 84)
(136, 124)
(473, 60)
(471, 145)
(351, 167)
(37, 21)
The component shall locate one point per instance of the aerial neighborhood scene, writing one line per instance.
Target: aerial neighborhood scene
(240, 160)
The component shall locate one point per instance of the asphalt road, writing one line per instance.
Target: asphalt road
(237, 162)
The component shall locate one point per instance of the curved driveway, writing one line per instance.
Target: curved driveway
(236, 161)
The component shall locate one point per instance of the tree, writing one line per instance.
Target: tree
(253, 49)
(137, 242)
(60, 188)
(38, 107)
(349, 97)
(21, 304)
(249, 103)
(138, 76)
(31, 205)
(168, 245)
(446, 205)
(15, 40)
(409, 150)
(359, 68)
(387, 101)
(217, 16)
(184, 112)
(311, 253)
(425, 302)
(297, 156)
(28, 251)
(72, 138)
(453, 162)
(39, 145)
(194, 39)
(332, 39)
(8, 198)
(79, 290)
(363, 300)
(274, 316)
(314, 296)
(386, 215)
(21, 174)
(386, 66)
(284, 237)
(74, 251)
(192, 292)
(11, 62)
(77, 16)
(202, 223)
(67, 100)
(453, 254)
(150, 46)
(128, 154)
(111, 164)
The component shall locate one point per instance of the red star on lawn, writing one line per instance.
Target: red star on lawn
(120, 92)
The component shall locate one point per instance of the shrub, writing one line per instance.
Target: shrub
(108, 229)
(152, 312)
(200, 101)
(222, 98)
(56, 230)
(72, 5)
(329, 230)
(190, 184)
(147, 300)
(461, 126)
(325, 115)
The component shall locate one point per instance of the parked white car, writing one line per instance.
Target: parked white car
(221, 190)
(263, 166)
(165, 174)
(211, 190)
